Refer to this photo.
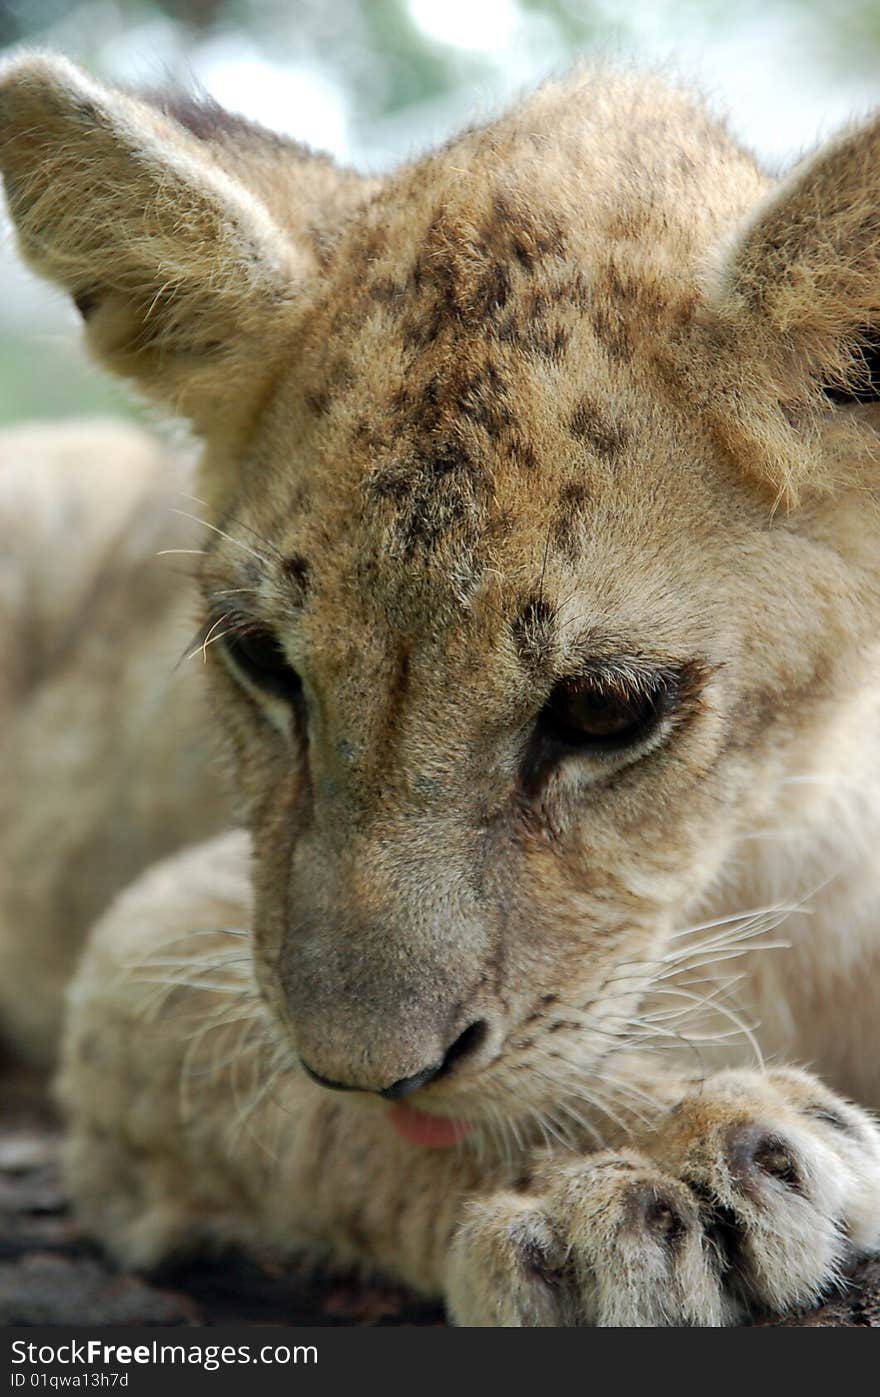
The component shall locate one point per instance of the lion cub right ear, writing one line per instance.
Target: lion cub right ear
(179, 269)
(796, 292)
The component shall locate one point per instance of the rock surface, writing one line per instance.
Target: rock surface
(50, 1275)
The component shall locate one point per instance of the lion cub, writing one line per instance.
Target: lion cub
(539, 604)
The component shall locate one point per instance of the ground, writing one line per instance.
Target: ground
(50, 1275)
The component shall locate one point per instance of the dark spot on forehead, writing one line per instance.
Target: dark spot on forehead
(593, 427)
(483, 398)
(538, 301)
(528, 237)
(474, 389)
(521, 452)
(613, 332)
(300, 497)
(549, 341)
(472, 261)
(575, 291)
(436, 489)
(493, 291)
(648, 294)
(442, 459)
(297, 573)
(393, 484)
(574, 497)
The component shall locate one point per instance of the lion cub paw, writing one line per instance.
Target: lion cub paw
(748, 1198)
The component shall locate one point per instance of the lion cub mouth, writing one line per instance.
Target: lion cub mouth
(431, 1132)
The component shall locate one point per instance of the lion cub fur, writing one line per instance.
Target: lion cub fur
(583, 391)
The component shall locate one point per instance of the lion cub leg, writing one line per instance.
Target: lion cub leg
(748, 1198)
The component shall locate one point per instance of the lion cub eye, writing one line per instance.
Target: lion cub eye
(257, 655)
(866, 375)
(585, 714)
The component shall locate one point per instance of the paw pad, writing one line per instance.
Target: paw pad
(776, 1159)
(539, 1251)
(655, 1212)
(751, 1150)
(663, 1220)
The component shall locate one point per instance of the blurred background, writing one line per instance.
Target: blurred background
(375, 81)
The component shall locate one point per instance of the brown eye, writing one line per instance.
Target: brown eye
(584, 713)
(256, 653)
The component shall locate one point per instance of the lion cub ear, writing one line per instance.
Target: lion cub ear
(797, 296)
(179, 269)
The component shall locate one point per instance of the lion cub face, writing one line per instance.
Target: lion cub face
(512, 647)
(522, 657)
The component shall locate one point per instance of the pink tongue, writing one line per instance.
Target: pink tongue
(418, 1128)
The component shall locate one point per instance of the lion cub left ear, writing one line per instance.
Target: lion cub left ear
(178, 268)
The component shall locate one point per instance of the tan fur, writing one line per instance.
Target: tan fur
(552, 399)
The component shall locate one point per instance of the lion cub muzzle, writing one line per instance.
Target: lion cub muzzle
(389, 997)
(375, 1023)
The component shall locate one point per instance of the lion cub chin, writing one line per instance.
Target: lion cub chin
(523, 615)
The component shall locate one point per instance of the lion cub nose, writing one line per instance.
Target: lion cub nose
(465, 1044)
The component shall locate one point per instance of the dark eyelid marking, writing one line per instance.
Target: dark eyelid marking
(297, 575)
(675, 688)
(221, 621)
(634, 675)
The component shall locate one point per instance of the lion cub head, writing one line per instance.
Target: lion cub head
(542, 486)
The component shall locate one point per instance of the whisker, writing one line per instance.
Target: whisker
(223, 534)
(746, 1030)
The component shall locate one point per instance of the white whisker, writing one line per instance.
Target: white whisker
(223, 534)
